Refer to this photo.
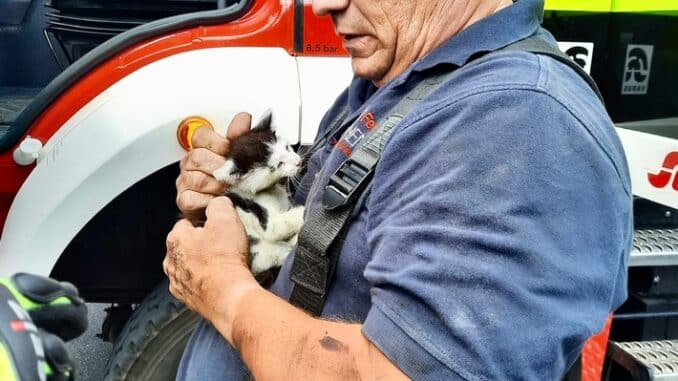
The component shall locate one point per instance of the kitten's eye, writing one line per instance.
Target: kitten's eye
(280, 165)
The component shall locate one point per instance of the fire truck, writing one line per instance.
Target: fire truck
(92, 94)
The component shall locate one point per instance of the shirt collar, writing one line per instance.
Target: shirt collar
(511, 24)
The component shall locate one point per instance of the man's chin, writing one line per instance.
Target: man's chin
(367, 69)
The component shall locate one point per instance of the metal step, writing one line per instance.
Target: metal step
(654, 247)
(647, 360)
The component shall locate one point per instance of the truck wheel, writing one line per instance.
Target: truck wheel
(151, 343)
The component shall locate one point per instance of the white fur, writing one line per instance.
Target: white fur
(250, 223)
(285, 225)
(274, 243)
(260, 185)
(267, 255)
(282, 162)
(225, 173)
(273, 199)
(257, 179)
(283, 158)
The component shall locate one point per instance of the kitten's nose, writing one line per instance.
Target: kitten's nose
(297, 163)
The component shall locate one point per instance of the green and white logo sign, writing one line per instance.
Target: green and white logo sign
(579, 52)
(637, 69)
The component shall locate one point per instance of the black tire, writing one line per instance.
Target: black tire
(151, 343)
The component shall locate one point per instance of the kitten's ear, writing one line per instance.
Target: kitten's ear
(264, 122)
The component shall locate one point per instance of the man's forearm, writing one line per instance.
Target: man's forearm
(280, 342)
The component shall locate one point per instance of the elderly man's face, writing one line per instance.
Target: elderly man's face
(375, 33)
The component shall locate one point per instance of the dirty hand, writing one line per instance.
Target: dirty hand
(207, 266)
(195, 185)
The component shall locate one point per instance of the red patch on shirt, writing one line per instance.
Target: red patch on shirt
(344, 148)
(368, 120)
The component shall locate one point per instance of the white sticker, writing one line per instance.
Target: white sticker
(637, 69)
(580, 52)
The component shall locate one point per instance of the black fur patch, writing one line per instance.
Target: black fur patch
(250, 206)
(267, 277)
(249, 150)
(198, 217)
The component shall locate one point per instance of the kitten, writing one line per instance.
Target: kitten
(257, 168)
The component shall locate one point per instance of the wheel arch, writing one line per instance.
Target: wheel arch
(117, 256)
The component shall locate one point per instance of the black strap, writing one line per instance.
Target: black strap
(322, 236)
(333, 127)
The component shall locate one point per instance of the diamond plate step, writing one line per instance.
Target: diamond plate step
(654, 247)
(647, 360)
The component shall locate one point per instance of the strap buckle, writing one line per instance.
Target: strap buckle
(345, 183)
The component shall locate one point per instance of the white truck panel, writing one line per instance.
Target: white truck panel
(646, 154)
(321, 80)
(129, 132)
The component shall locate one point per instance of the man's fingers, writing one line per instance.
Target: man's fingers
(205, 137)
(190, 200)
(203, 160)
(166, 265)
(199, 182)
(240, 125)
(180, 227)
(220, 210)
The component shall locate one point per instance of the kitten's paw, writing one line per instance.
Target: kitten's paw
(293, 241)
(251, 223)
(225, 173)
(285, 225)
(266, 255)
(297, 217)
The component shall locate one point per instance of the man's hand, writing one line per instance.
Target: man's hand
(207, 269)
(207, 266)
(195, 185)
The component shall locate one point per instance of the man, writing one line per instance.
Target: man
(493, 243)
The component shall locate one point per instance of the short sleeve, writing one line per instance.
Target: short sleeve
(499, 228)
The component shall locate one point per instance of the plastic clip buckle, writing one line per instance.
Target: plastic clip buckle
(344, 184)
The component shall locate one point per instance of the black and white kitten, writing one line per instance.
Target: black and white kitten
(258, 166)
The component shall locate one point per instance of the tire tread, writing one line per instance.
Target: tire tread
(143, 331)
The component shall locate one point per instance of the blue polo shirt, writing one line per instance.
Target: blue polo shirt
(496, 236)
